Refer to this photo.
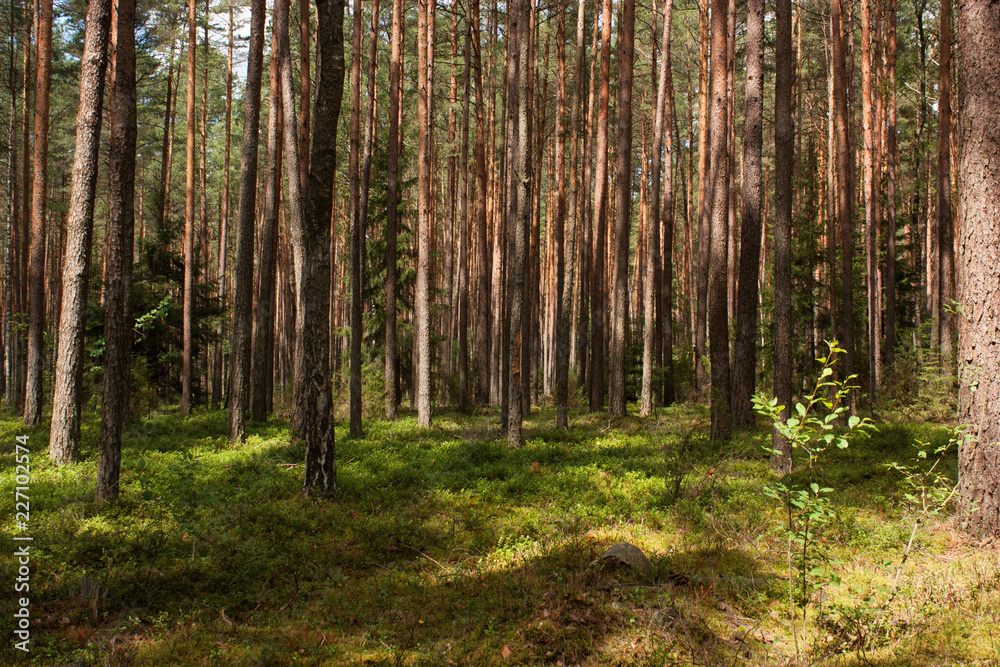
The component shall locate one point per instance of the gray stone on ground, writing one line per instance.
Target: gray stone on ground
(624, 553)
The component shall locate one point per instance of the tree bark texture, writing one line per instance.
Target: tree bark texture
(598, 302)
(314, 332)
(392, 212)
(745, 361)
(239, 374)
(262, 380)
(34, 384)
(718, 249)
(784, 152)
(623, 209)
(979, 265)
(187, 355)
(119, 238)
(64, 438)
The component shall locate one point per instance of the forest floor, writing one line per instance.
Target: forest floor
(445, 546)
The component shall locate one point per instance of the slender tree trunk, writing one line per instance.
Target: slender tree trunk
(36, 258)
(119, 238)
(64, 439)
(870, 194)
(392, 212)
(845, 196)
(704, 192)
(262, 381)
(366, 155)
(745, 363)
(784, 155)
(945, 221)
(203, 252)
(187, 358)
(422, 332)
(465, 222)
(313, 329)
(518, 211)
(623, 209)
(305, 95)
(891, 158)
(563, 306)
(221, 275)
(659, 215)
(718, 255)
(354, 178)
(979, 248)
(597, 263)
(239, 374)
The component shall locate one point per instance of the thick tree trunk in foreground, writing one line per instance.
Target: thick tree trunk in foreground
(978, 259)
(314, 332)
(623, 210)
(119, 239)
(64, 439)
(36, 255)
(745, 361)
(239, 374)
(718, 249)
(784, 135)
(187, 355)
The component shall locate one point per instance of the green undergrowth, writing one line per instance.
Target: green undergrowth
(446, 546)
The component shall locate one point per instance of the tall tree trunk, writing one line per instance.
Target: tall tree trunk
(221, 275)
(518, 211)
(36, 258)
(659, 215)
(354, 178)
(945, 220)
(745, 363)
(465, 221)
(891, 158)
(623, 209)
(64, 438)
(784, 155)
(392, 212)
(314, 332)
(979, 249)
(871, 195)
(597, 263)
(119, 238)
(718, 254)
(203, 252)
(422, 339)
(483, 258)
(563, 306)
(845, 195)
(239, 373)
(299, 244)
(366, 154)
(305, 96)
(262, 381)
(704, 193)
(187, 358)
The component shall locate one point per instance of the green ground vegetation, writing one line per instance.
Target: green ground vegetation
(444, 546)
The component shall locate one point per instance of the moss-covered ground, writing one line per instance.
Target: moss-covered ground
(445, 546)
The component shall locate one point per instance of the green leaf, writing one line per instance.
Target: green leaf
(801, 409)
(853, 421)
(815, 487)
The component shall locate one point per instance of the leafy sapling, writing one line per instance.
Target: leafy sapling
(813, 428)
